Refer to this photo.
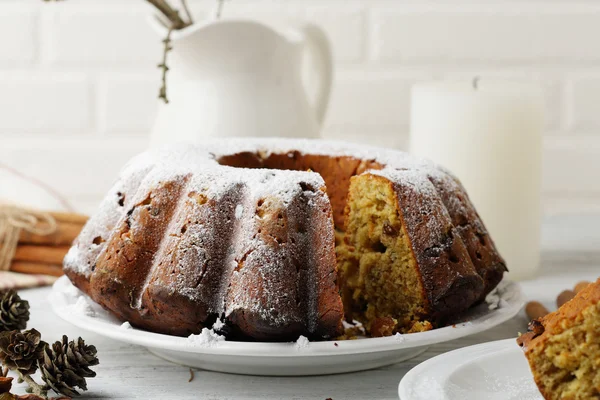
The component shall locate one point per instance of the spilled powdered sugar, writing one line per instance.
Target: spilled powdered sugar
(82, 307)
(499, 296)
(206, 338)
(71, 292)
(399, 337)
(302, 342)
(218, 325)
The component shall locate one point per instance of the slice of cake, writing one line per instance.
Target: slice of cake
(402, 265)
(563, 348)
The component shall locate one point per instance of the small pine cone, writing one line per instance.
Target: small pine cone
(21, 350)
(14, 312)
(66, 365)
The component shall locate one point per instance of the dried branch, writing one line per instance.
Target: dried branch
(219, 8)
(162, 94)
(187, 11)
(172, 14)
(172, 20)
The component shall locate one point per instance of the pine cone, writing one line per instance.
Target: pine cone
(66, 365)
(14, 312)
(21, 350)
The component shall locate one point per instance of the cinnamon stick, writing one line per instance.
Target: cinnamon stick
(36, 268)
(535, 310)
(72, 218)
(41, 254)
(64, 235)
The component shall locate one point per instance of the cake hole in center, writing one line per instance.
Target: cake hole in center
(335, 171)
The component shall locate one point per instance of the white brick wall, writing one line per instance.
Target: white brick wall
(78, 81)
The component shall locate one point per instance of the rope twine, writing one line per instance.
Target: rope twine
(15, 219)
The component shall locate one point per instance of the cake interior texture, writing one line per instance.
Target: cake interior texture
(381, 282)
(569, 365)
(563, 349)
(378, 273)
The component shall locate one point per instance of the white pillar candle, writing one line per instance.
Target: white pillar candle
(489, 134)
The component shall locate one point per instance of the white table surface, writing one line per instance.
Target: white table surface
(571, 253)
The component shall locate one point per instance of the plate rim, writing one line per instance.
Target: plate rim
(103, 326)
(418, 372)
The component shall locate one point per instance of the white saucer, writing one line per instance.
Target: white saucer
(296, 358)
(492, 371)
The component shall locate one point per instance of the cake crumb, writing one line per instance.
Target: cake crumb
(383, 326)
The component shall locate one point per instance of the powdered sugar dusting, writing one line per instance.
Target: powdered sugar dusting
(213, 182)
(354, 324)
(81, 258)
(239, 210)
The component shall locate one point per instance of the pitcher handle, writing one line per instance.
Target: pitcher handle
(319, 51)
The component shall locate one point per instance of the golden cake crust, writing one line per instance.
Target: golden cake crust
(450, 282)
(540, 344)
(542, 329)
(243, 231)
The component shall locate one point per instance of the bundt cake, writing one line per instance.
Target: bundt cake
(244, 232)
(563, 348)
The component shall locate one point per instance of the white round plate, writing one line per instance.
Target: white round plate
(492, 371)
(295, 358)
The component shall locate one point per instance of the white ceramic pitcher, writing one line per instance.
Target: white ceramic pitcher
(232, 78)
